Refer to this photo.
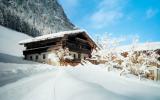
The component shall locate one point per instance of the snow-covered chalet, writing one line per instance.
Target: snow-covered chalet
(77, 43)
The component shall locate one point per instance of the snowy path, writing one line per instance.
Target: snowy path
(56, 85)
(38, 87)
(127, 88)
(81, 83)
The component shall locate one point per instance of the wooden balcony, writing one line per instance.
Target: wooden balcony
(41, 49)
(77, 48)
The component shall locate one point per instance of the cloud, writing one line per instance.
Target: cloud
(110, 4)
(69, 3)
(69, 6)
(103, 18)
(151, 13)
(108, 12)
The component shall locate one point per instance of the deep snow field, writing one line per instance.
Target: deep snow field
(26, 80)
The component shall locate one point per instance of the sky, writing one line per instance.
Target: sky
(125, 19)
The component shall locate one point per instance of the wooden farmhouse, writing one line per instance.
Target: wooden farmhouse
(77, 43)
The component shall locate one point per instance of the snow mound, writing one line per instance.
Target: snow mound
(79, 83)
(9, 41)
(12, 65)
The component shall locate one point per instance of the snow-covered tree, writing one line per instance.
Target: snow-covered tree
(64, 56)
(53, 58)
(132, 61)
(1, 18)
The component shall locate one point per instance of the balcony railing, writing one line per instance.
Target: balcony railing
(74, 47)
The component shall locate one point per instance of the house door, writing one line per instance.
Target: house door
(79, 56)
(158, 74)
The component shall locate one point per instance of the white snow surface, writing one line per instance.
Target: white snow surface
(9, 41)
(79, 83)
(12, 65)
(26, 80)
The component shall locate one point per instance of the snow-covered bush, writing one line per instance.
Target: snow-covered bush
(132, 61)
(53, 59)
(64, 56)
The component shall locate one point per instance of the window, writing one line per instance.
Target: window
(84, 46)
(30, 57)
(36, 57)
(44, 56)
(74, 56)
(159, 58)
(79, 56)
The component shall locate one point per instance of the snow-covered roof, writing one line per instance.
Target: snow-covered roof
(51, 36)
(140, 47)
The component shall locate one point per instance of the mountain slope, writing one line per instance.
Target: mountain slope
(34, 17)
(12, 65)
(9, 41)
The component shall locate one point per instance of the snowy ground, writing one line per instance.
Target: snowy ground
(79, 83)
(25, 80)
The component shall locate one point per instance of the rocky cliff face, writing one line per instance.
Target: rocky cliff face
(34, 17)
